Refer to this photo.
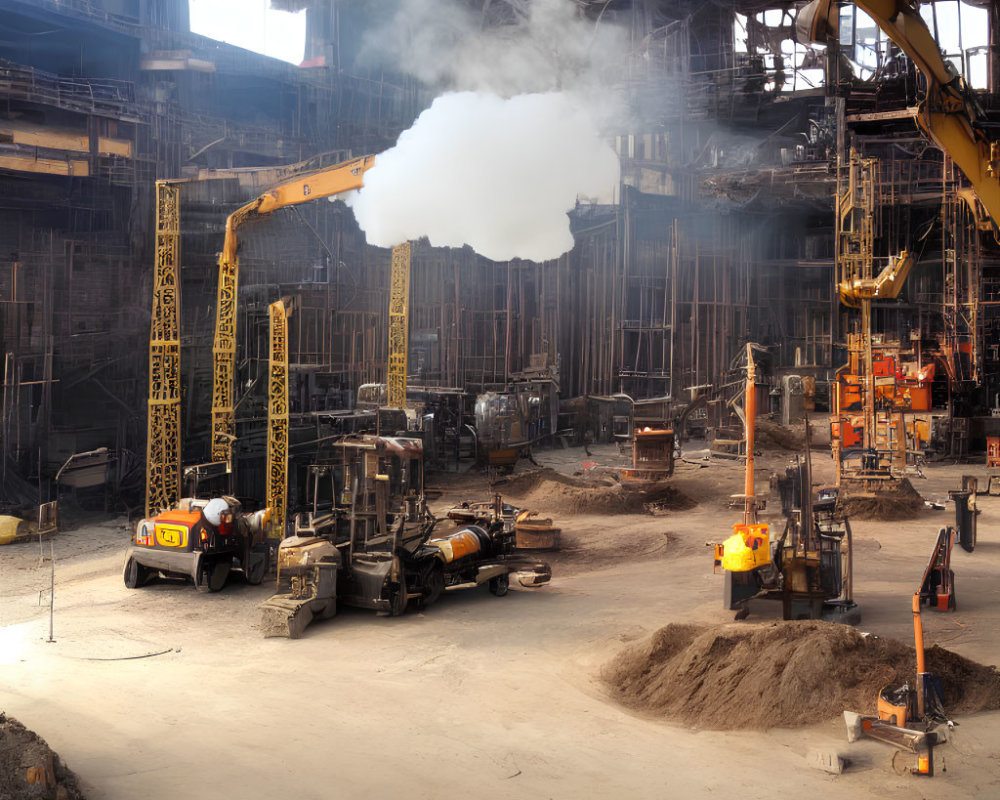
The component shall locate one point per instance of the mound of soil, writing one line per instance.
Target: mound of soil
(29, 769)
(769, 435)
(784, 674)
(893, 500)
(552, 492)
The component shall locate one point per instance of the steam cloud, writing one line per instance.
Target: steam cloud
(503, 153)
(516, 47)
(497, 174)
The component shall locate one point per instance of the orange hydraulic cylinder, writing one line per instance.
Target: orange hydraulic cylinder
(750, 413)
(918, 642)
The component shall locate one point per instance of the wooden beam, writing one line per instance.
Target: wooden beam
(61, 139)
(50, 166)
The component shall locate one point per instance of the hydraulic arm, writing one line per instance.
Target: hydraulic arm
(298, 189)
(948, 114)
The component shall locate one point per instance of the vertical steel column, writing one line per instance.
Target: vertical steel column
(277, 419)
(224, 346)
(163, 442)
(399, 328)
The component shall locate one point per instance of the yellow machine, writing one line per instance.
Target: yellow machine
(399, 326)
(872, 392)
(299, 189)
(277, 418)
(947, 115)
(948, 112)
(808, 567)
(163, 442)
(163, 449)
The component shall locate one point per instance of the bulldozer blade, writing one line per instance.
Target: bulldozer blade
(534, 575)
(283, 616)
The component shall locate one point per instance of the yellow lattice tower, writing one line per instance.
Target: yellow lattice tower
(857, 205)
(399, 325)
(224, 344)
(277, 419)
(163, 440)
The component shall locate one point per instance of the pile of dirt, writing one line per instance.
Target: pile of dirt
(891, 500)
(549, 491)
(769, 435)
(784, 674)
(30, 769)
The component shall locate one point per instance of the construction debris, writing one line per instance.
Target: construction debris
(30, 769)
(827, 761)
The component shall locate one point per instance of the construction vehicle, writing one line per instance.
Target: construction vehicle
(300, 188)
(652, 456)
(880, 390)
(370, 541)
(911, 718)
(163, 442)
(530, 531)
(202, 540)
(809, 567)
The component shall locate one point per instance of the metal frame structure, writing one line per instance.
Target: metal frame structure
(303, 188)
(277, 419)
(163, 442)
(399, 327)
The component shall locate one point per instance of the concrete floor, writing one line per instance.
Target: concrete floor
(165, 693)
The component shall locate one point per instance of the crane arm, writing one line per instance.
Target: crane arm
(948, 112)
(886, 286)
(301, 188)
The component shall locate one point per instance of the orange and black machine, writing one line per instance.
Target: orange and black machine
(201, 540)
(809, 566)
(906, 716)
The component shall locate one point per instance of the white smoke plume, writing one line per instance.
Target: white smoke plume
(499, 159)
(509, 47)
(498, 174)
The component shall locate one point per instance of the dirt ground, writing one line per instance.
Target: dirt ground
(164, 692)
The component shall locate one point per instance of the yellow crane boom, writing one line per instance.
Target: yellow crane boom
(948, 113)
(301, 188)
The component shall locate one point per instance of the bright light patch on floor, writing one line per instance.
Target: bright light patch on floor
(13, 643)
(252, 25)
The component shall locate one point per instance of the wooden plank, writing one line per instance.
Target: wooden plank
(62, 139)
(169, 63)
(49, 166)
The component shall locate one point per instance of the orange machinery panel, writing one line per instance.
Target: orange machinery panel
(993, 451)
(849, 387)
(849, 435)
(884, 367)
(920, 398)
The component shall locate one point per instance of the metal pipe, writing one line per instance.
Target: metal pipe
(749, 420)
(918, 641)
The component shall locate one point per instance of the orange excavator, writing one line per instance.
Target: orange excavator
(913, 719)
